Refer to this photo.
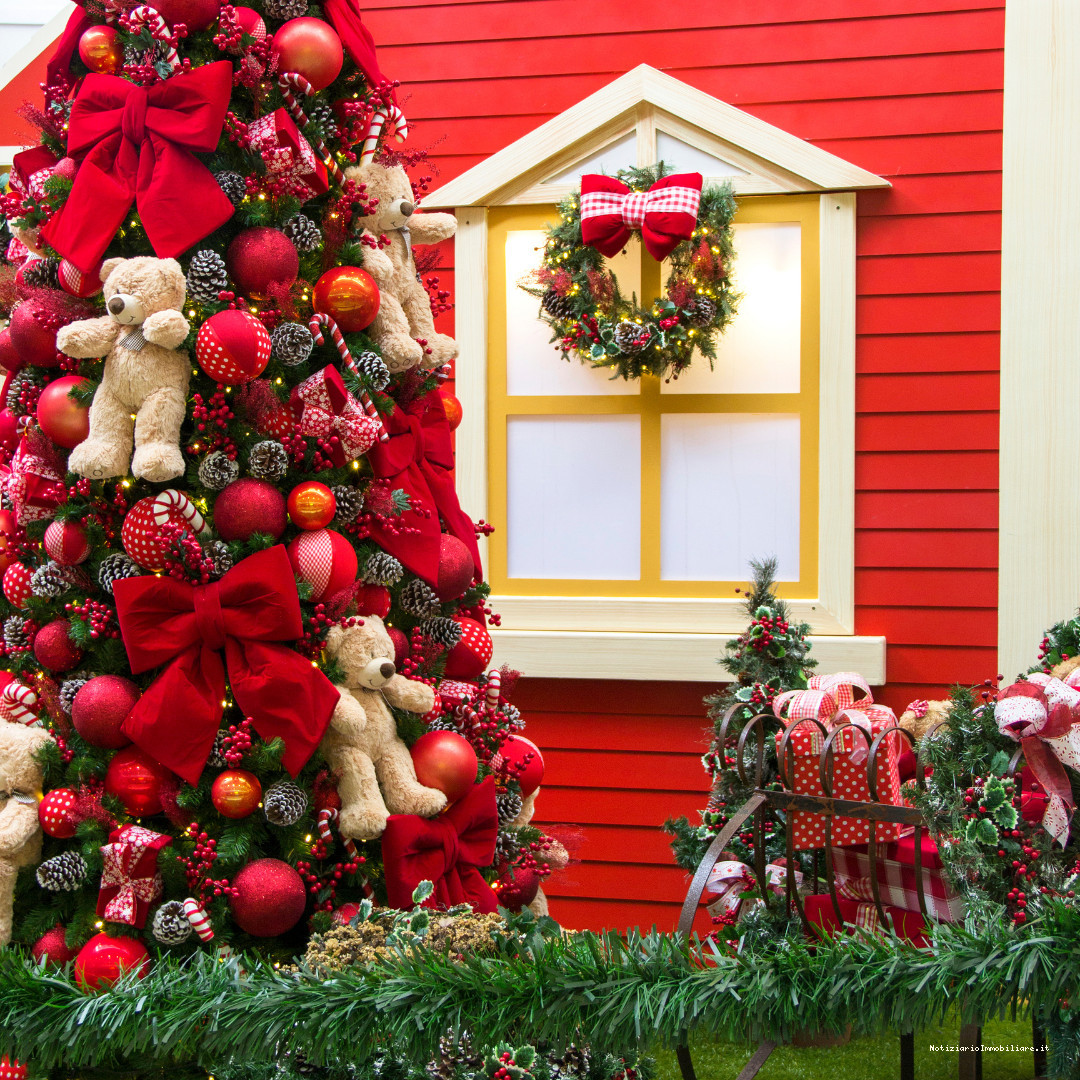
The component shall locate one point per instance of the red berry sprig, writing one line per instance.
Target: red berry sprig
(237, 742)
(98, 616)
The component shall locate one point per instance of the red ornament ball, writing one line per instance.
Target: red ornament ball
(517, 888)
(9, 432)
(101, 51)
(249, 506)
(325, 560)
(194, 14)
(311, 505)
(73, 281)
(251, 22)
(66, 542)
(396, 636)
(17, 584)
(52, 947)
(53, 647)
(446, 761)
(33, 333)
(375, 600)
(12, 1069)
(56, 812)
(60, 416)
(235, 793)
(141, 532)
(452, 408)
(232, 346)
(521, 759)
(455, 568)
(349, 296)
(136, 779)
(270, 898)
(10, 360)
(260, 257)
(103, 959)
(100, 708)
(8, 530)
(468, 658)
(309, 47)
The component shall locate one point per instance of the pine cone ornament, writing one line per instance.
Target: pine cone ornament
(207, 276)
(285, 9)
(268, 460)
(456, 1058)
(116, 567)
(50, 580)
(42, 274)
(170, 925)
(442, 631)
(373, 370)
(558, 307)
(382, 569)
(291, 343)
(232, 183)
(70, 687)
(217, 471)
(509, 806)
(219, 552)
(702, 310)
(62, 873)
(16, 639)
(303, 232)
(216, 759)
(322, 114)
(631, 337)
(23, 391)
(284, 803)
(349, 501)
(506, 847)
(572, 1065)
(419, 599)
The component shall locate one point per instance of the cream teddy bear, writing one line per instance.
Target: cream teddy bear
(20, 832)
(374, 768)
(404, 306)
(145, 381)
(921, 716)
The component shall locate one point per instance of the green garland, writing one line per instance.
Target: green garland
(591, 318)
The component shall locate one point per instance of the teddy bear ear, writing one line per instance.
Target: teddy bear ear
(108, 266)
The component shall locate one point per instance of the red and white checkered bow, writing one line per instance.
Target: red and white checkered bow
(666, 214)
(122, 872)
(325, 408)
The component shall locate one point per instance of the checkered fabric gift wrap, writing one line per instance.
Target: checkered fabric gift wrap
(832, 700)
(909, 925)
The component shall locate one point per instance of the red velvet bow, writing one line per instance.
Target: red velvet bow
(137, 144)
(255, 605)
(666, 214)
(344, 16)
(447, 850)
(324, 407)
(418, 458)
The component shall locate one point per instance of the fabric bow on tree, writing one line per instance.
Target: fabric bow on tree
(666, 214)
(187, 627)
(323, 407)
(34, 479)
(447, 850)
(731, 878)
(130, 882)
(138, 144)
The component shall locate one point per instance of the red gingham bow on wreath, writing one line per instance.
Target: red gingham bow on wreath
(130, 882)
(666, 214)
(324, 407)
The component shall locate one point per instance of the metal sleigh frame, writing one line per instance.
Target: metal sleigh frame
(970, 1057)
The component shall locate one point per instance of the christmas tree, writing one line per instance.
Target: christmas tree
(237, 583)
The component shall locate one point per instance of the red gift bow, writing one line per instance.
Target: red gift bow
(33, 481)
(254, 606)
(666, 214)
(731, 878)
(344, 16)
(324, 407)
(418, 458)
(137, 144)
(447, 850)
(130, 882)
(286, 152)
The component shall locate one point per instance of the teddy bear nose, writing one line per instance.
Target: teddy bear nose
(387, 670)
(406, 208)
(115, 305)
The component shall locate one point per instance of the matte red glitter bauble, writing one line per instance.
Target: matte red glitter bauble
(9, 431)
(194, 14)
(270, 898)
(100, 707)
(17, 584)
(235, 793)
(101, 51)
(374, 600)
(103, 959)
(349, 296)
(10, 360)
(33, 333)
(135, 778)
(54, 649)
(60, 416)
(311, 505)
(249, 506)
(52, 947)
(446, 761)
(309, 47)
(232, 346)
(260, 257)
(455, 568)
(522, 759)
(468, 658)
(56, 812)
(517, 888)
(325, 560)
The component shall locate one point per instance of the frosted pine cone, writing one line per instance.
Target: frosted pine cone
(206, 277)
(509, 806)
(702, 310)
(382, 569)
(419, 599)
(349, 501)
(558, 307)
(284, 803)
(50, 580)
(222, 558)
(444, 632)
(303, 232)
(631, 337)
(373, 370)
(217, 752)
(268, 460)
(291, 343)
(284, 10)
(217, 470)
(232, 183)
(322, 114)
(170, 925)
(506, 847)
(115, 568)
(62, 873)
(70, 687)
(16, 639)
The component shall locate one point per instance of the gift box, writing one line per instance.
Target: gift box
(833, 701)
(130, 881)
(909, 925)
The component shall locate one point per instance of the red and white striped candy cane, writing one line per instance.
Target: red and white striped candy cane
(494, 685)
(443, 373)
(329, 817)
(151, 18)
(315, 325)
(200, 921)
(172, 502)
(388, 114)
(17, 704)
(288, 83)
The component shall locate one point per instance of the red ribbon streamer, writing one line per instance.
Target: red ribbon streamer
(447, 850)
(138, 144)
(255, 605)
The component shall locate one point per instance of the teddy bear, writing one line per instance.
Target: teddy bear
(920, 716)
(404, 306)
(21, 779)
(145, 380)
(375, 771)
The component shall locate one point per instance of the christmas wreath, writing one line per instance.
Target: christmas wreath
(580, 297)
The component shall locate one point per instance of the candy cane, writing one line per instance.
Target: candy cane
(388, 114)
(144, 15)
(443, 373)
(315, 325)
(288, 81)
(17, 702)
(200, 921)
(494, 685)
(171, 502)
(329, 817)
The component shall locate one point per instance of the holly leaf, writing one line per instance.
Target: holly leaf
(422, 892)
(1006, 816)
(981, 831)
(999, 766)
(994, 794)
(597, 351)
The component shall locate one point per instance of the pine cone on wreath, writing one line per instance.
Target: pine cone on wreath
(557, 306)
(373, 370)
(268, 460)
(218, 551)
(206, 277)
(348, 501)
(70, 687)
(506, 847)
(509, 806)
(444, 632)
(170, 925)
(419, 599)
(631, 337)
(382, 568)
(232, 183)
(284, 803)
(702, 310)
(62, 873)
(115, 568)
(42, 274)
(572, 1065)
(291, 343)
(456, 1058)
(217, 471)
(303, 232)
(284, 10)
(16, 639)
(50, 580)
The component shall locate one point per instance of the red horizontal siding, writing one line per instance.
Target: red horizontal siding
(927, 587)
(926, 471)
(917, 352)
(927, 509)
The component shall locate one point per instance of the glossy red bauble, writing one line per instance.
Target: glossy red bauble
(17, 584)
(270, 898)
(194, 14)
(349, 296)
(101, 50)
(9, 432)
(455, 568)
(521, 759)
(60, 416)
(232, 346)
(249, 506)
(468, 658)
(33, 333)
(52, 947)
(452, 408)
(311, 505)
(10, 360)
(66, 542)
(325, 560)
(309, 47)
(100, 708)
(235, 793)
(517, 888)
(103, 959)
(136, 779)
(446, 761)
(56, 813)
(54, 649)
(260, 257)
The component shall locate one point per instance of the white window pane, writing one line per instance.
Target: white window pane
(614, 156)
(533, 362)
(682, 157)
(729, 493)
(761, 351)
(574, 497)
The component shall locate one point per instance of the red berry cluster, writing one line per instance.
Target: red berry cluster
(585, 333)
(325, 451)
(198, 865)
(763, 631)
(98, 616)
(328, 881)
(212, 424)
(315, 634)
(184, 557)
(990, 691)
(237, 742)
(440, 298)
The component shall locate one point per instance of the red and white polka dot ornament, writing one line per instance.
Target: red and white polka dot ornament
(325, 560)
(56, 812)
(232, 346)
(141, 532)
(17, 584)
(66, 543)
(75, 283)
(12, 1069)
(468, 658)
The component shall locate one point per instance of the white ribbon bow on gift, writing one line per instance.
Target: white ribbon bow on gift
(121, 858)
(731, 878)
